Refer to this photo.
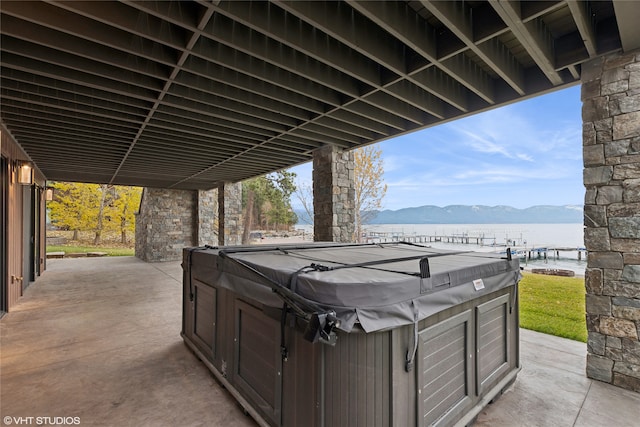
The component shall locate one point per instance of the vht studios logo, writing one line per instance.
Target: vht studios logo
(41, 421)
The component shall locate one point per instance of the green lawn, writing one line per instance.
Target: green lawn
(84, 249)
(553, 305)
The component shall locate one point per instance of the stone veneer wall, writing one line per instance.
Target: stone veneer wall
(230, 217)
(333, 195)
(170, 220)
(207, 217)
(165, 224)
(611, 153)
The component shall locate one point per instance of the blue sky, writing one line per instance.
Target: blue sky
(524, 154)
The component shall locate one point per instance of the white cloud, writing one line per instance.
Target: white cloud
(518, 135)
(395, 162)
(525, 157)
(490, 175)
(481, 143)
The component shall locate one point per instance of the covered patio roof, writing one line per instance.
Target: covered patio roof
(186, 95)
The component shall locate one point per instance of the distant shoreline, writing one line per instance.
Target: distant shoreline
(472, 214)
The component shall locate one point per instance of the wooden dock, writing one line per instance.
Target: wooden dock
(464, 239)
(518, 245)
(543, 252)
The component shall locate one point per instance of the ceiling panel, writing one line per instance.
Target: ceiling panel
(188, 94)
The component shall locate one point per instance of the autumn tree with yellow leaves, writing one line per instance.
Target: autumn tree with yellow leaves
(96, 208)
(125, 204)
(369, 184)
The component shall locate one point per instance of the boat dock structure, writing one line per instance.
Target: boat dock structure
(518, 246)
(543, 252)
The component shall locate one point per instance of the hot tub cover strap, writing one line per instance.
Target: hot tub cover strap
(339, 286)
(411, 351)
(321, 321)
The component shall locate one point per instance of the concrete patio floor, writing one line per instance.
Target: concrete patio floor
(99, 339)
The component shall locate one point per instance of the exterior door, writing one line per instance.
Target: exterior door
(28, 246)
(3, 235)
(36, 197)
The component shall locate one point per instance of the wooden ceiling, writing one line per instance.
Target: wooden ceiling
(187, 94)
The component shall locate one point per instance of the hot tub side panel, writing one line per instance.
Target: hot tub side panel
(239, 339)
(348, 384)
(357, 382)
(208, 322)
(466, 355)
(257, 362)
(301, 381)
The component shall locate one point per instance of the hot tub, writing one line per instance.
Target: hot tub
(391, 334)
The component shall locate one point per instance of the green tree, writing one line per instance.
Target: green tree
(267, 201)
(281, 213)
(254, 196)
(370, 188)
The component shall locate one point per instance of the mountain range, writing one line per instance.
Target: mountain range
(476, 214)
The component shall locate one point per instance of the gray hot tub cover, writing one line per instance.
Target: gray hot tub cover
(378, 286)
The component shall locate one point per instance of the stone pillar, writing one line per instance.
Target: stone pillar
(165, 224)
(230, 214)
(333, 195)
(611, 152)
(170, 220)
(207, 204)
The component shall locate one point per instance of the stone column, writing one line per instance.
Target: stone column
(207, 204)
(333, 195)
(165, 224)
(611, 152)
(230, 214)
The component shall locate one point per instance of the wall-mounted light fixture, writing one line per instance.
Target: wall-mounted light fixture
(25, 174)
(48, 194)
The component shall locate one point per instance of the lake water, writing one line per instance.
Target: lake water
(498, 236)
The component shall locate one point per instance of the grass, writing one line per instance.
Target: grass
(111, 243)
(553, 305)
(84, 249)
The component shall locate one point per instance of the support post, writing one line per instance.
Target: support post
(207, 212)
(611, 154)
(165, 224)
(230, 214)
(333, 195)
